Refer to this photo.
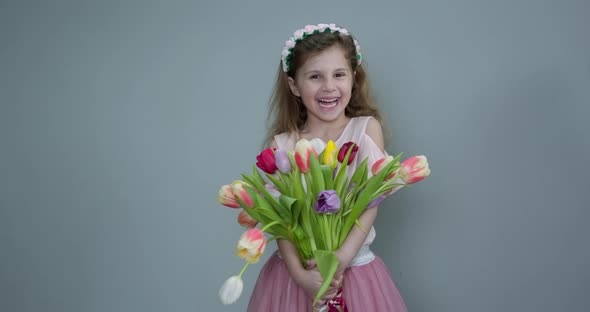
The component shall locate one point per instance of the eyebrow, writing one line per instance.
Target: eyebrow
(313, 71)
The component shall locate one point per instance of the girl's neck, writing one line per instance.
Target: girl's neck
(323, 130)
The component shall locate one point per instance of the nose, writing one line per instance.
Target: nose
(329, 84)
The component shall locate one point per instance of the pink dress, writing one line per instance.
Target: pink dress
(368, 286)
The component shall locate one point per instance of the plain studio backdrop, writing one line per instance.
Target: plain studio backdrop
(120, 120)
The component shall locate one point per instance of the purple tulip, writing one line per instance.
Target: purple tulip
(282, 161)
(327, 202)
(376, 201)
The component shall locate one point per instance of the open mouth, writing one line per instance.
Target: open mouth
(328, 102)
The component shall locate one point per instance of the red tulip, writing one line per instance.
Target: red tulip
(344, 150)
(266, 161)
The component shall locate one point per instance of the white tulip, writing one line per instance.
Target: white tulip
(318, 145)
(231, 290)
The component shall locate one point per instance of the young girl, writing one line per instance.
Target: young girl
(322, 92)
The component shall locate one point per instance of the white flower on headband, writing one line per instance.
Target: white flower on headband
(308, 30)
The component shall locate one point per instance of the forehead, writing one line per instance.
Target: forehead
(329, 59)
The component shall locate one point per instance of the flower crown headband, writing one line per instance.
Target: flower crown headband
(309, 30)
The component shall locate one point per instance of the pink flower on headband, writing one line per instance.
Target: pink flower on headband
(298, 34)
(322, 27)
(310, 28)
(290, 44)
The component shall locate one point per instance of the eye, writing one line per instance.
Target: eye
(314, 76)
(340, 74)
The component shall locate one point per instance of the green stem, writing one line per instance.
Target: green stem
(243, 269)
(269, 225)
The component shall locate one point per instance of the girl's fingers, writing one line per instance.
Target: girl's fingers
(336, 282)
(320, 303)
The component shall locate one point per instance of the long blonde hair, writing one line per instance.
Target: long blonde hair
(288, 114)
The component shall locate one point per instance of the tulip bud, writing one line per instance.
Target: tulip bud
(327, 202)
(266, 161)
(245, 220)
(303, 150)
(226, 197)
(241, 193)
(273, 190)
(414, 169)
(330, 156)
(282, 161)
(380, 164)
(376, 201)
(231, 290)
(251, 245)
(344, 150)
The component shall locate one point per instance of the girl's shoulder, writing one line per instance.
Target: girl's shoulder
(366, 126)
(285, 140)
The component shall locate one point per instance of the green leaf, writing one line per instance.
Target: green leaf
(262, 190)
(328, 173)
(317, 178)
(327, 263)
(278, 213)
(302, 243)
(360, 174)
(364, 198)
(287, 201)
(299, 194)
(256, 175)
(278, 183)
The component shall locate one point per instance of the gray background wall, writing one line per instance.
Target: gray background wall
(119, 120)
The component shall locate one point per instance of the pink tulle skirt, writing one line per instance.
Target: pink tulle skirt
(367, 288)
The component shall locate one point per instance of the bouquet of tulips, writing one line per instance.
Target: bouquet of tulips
(308, 197)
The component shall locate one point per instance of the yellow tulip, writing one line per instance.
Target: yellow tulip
(330, 157)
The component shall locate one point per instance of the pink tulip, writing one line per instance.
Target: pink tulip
(414, 169)
(251, 245)
(241, 193)
(303, 150)
(380, 164)
(245, 220)
(226, 197)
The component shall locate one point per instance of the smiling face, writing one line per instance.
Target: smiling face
(324, 84)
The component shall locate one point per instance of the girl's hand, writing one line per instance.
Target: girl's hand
(332, 289)
(310, 280)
